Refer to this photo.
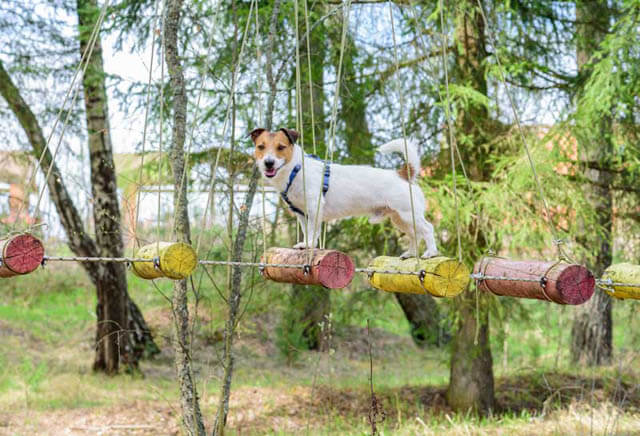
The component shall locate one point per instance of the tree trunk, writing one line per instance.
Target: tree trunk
(182, 346)
(591, 341)
(111, 284)
(424, 318)
(310, 305)
(471, 379)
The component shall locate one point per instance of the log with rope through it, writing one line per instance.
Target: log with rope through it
(557, 282)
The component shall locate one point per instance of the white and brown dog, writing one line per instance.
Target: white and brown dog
(339, 191)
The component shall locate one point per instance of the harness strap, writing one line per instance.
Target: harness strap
(292, 176)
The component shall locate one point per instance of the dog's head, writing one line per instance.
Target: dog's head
(273, 149)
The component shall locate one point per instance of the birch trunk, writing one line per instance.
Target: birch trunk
(189, 402)
(235, 293)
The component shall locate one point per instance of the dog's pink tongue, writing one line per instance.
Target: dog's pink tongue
(270, 172)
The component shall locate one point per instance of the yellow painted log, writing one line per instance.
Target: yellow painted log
(443, 277)
(175, 260)
(622, 273)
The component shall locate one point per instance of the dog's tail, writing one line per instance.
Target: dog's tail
(411, 169)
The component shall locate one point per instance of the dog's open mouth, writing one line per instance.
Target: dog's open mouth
(270, 172)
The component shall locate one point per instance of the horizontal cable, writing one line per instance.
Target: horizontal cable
(388, 271)
(94, 259)
(477, 276)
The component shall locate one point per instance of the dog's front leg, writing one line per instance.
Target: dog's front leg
(310, 227)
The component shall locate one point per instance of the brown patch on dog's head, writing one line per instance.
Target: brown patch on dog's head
(276, 145)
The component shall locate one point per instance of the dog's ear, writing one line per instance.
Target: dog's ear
(255, 133)
(291, 134)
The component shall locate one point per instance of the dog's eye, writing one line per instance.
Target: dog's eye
(260, 147)
(281, 147)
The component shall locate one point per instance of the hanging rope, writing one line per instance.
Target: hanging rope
(328, 153)
(299, 127)
(557, 241)
(450, 127)
(232, 91)
(144, 130)
(88, 52)
(82, 65)
(160, 158)
(404, 131)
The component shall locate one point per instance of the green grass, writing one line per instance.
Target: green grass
(47, 324)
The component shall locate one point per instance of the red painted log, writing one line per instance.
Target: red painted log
(329, 268)
(20, 254)
(558, 282)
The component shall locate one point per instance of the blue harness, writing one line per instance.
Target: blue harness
(292, 176)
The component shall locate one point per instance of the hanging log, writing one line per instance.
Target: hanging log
(20, 254)
(173, 260)
(329, 268)
(438, 276)
(622, 273)
(558, 282)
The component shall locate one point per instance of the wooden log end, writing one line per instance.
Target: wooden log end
(20, 254)
(443, 277)
(329, 268)
(448, 279)
(174, 260)
(556, 282)
(178, 261)
(335, 270)
(575, 284)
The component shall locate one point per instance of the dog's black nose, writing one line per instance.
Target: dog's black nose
(268, 163)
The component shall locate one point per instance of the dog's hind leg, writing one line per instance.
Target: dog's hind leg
(404, 223)
(426, 233)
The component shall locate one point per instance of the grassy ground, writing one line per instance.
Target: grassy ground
(46, 385)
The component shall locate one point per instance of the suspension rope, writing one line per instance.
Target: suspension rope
(160, 158)
(445, 43)
(328, 152)
(299, 126)
(232, 91)
(82, 65)
(310, 79)
(92, 43)
(144, 130)
(556, 240)
(404, 130)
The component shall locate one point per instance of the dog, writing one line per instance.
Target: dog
(339, 191)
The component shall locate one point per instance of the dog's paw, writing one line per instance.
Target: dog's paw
(300, 246)
(429, 254)
(407, 254)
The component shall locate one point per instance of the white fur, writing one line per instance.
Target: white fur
(356, 190)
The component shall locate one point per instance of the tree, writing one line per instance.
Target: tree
(121, 334)
(471, 378)
(591, 334)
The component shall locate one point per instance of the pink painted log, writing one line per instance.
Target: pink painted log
(329, 268)
(558, 282)
(20, 254)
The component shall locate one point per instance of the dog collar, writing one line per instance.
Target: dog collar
(292, 176)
